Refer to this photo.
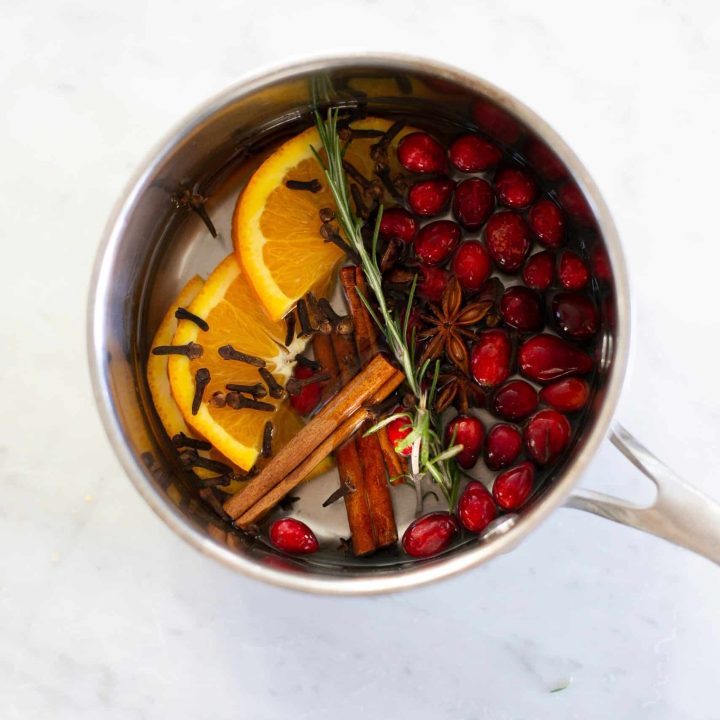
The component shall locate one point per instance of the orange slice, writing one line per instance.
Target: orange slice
(228, 304)
(276, 230)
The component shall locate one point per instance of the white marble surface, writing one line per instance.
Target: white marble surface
(104, 613)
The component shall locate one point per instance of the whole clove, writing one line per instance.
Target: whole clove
(308, 362)
(194, 201)
(275, 389)
(390, 255)
(329, 233)
(215, 481)
(312, 186)
(356, 175)
(327, 215)
(192, 351)
(236, 401)
(190, 458)
(202, 378)
(379, 151)
(295, 385)
(361, 209)
(383, 172)
(184, 314)
(257, 390)
(318, 319)
(217, 399)
(342, 324)
(290, 324)
(268, 432)
(306, 327)
(348, 134)
(181, 440)
(344, 489)
(228, 352)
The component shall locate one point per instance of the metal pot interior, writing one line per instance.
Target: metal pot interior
(154, 247)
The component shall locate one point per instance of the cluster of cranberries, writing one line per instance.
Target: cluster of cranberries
(496, 221)
(468, 214)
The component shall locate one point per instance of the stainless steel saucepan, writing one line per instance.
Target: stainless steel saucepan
(155, 242)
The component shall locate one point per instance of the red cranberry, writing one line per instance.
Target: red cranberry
(545, 161)
(575, 315)
(546, 221)
(309, 396)
(471, 265)
(490, 357)
(547, 434)
(471, 153)
(473, 202)
(397, 431)
(515, 188)
(421, 153)
(507, 239)
(513, 487)
(539, 270)
(521, 308)
(495, 121)
(429, 535)
(436, 241)
(546, 357)
(430, 197)
(502, 446)
(566, 395)
(600, 264)
(399, 224)
(293, 536)
(470, 433)
(575, 203)
(514, 400)
(573, 273)
(432, 283)
(476, 507)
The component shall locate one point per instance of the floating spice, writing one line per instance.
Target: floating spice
(184, 314)
(306, 327)
(308, 362)
(361, 209)
(257, 390)
(181, 440)
(312, 186)
(275, 389)
(238, 402)
(342, 324)
(268, 432)
(192, 350)
(290, 324)
(190, 458)
(318, 318)
(383, 172)
(216, 481)
(228, 352)
(295, 385)
(217, 399)
(202, 378)
(344, 489)
(356, 175)
(348, 134)
(326, 215)
(379, 151)
(329, 233)
(194, 201)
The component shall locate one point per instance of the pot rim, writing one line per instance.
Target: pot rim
(423, 573)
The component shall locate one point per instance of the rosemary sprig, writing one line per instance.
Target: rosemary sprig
(428, 456)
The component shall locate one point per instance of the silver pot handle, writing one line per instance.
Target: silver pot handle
(680, 513)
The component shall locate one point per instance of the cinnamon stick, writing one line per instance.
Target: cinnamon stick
(351, 464)
(366, 338)
(352, 280)
(378, 379)
(369, 447)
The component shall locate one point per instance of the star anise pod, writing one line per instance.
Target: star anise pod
(456, 388)
(449, 326)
